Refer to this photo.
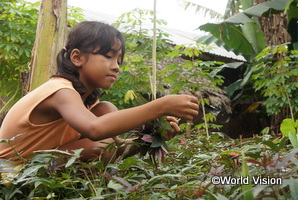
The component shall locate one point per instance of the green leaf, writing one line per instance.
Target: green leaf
(254, 35)
(276, 144)
(232, 36)
(273, 146)
(293, 139)
(130, 95)
(232, 88)
(270, 7)
(246, 189)
(287, 126)
(296, 124)
(114, 186)
(246, 78)
(157, 141)
(239, 19)
(293, 188)
(250, 40)
(164, 126)
(127, 163)
(233, 65)
(76, 155)
(98, 165)
(221, 197)
(247, 4)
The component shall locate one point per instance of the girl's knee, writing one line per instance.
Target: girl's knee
(103, 108)
(104, 149)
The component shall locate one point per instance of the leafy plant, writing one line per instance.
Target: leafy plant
(185, 174)
(289, 128)
(17, 33)
(193, 160)
(242, 34)
(275, 76)
(18, 23)
(134, 81)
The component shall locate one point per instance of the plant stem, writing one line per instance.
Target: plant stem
(290, 106)
(153, 82)
(91, 186)
(205, 119)
(6, 105)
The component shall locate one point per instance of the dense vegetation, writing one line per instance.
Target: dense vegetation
(186, 174)
(195, 157)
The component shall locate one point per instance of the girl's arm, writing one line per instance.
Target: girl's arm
(69, 104)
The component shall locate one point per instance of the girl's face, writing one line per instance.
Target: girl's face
(101, 71)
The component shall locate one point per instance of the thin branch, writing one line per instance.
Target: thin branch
(153, 82)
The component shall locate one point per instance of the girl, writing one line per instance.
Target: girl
(65, 113)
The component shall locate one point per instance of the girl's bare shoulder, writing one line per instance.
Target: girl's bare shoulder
(49, 109)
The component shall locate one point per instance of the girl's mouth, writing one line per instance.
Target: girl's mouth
(113, 77)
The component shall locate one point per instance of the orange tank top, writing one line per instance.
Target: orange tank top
(29, 137)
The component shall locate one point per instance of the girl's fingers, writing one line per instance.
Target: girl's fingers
(194, 99)
(194, 106)
(174, 124)
(175, 127)
(172, 119)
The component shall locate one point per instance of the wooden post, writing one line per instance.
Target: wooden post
(50, 38)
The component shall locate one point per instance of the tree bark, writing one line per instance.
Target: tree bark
(50, 38)
(274, 27)
(275, 30)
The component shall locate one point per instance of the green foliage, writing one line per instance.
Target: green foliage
(186, 173)
(74, 16)
(135, 73)
(275, 75)
(229, 35)
(291, 10)
(246, 188)
(188, 170)
(18, 23)
(241, 33)
(289, 128)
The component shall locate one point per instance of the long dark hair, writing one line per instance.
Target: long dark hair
(86, 36)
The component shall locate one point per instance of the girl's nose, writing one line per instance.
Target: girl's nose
(115, 67)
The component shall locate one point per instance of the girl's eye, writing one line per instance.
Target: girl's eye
(107, 56)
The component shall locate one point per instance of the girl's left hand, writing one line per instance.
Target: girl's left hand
(176, 129)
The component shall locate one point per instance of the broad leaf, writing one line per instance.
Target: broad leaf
(114, 186)
(232, 36)
(240, 18)
(254, 35)
(287, 126)
(232, 88)
(246, 189)
(127, 163)
(240, 32)
(293, 138)
(157, 141)
(293, 183)
(266, 8)
(233, 65)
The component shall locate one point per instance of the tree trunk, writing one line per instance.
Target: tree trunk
(275, 30)
(50, 37)
(274, 27)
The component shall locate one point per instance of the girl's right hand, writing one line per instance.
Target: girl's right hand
(183, 106)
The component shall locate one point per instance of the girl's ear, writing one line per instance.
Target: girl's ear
(76, 57)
